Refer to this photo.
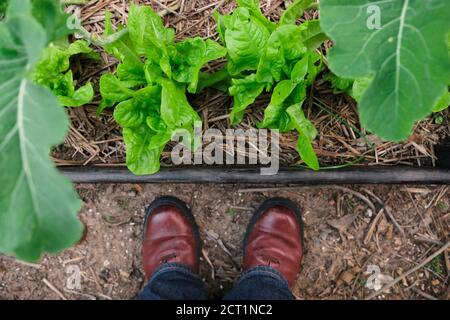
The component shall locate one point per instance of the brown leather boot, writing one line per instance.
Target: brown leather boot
(170, 235)
(275, 238)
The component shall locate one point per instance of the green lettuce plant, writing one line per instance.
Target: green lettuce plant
(150, 85)
(273, 57)
(52, 71)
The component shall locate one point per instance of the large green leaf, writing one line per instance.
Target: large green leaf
(246, 39)
(253, 7)
(38, 206)
(306, 133)
(150, 37)
(295, 11)
(52, 72)
(407, 56)
(141, 158)
(50, 15)
(245, 91)
(275, 115)
(192, 55)
(283, 45)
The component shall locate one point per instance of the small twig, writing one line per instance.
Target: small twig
(358, 195)
(205, 255)
(386, 210)
(372, 226)
(85, 295)
(225, 249)
(28, 264)
(77, 2)
(400, 278)
(99, 40)
(53, 288)
(171, 10)
(424, 294)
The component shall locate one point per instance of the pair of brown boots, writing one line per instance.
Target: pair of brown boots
(274, 237)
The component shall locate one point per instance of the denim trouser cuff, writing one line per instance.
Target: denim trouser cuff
(175, 281)
(173, 267)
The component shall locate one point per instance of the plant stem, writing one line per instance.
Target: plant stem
(69, 2)
(208, 80)
(99, 40)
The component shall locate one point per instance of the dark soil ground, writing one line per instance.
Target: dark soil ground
(344, 238)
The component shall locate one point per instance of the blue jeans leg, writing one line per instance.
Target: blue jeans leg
(260, 283)
(174, 281)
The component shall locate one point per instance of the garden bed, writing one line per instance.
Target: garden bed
(97, 140)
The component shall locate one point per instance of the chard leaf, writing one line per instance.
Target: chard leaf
(359, 88)
(123, 48)
(38, 206)
(79, 97)
(141, 159)
(255, 11)
(176, 111)
(284, 44)
(275, 115)
(312, 35)
(245, 91)
(407, 57)
(192, 55)
(295, 11)
(52, 72)
(114, 90)
(150, 37)
(443, 103)
(246, 40)
(128, 114)
(306, 133)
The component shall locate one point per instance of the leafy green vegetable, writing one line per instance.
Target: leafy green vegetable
(443, 103)
(340, 84)
(52, 72)
(307, 132)
(191, 55)
(245, 91)
(38, 206)
(253, 7)
(295, 11)
(245, 39)
(150, 37)
(407, 57)
(279, 57)
(149, 87)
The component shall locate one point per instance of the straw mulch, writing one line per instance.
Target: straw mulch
(97, 139)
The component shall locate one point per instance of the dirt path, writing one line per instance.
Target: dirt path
(346, 240)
